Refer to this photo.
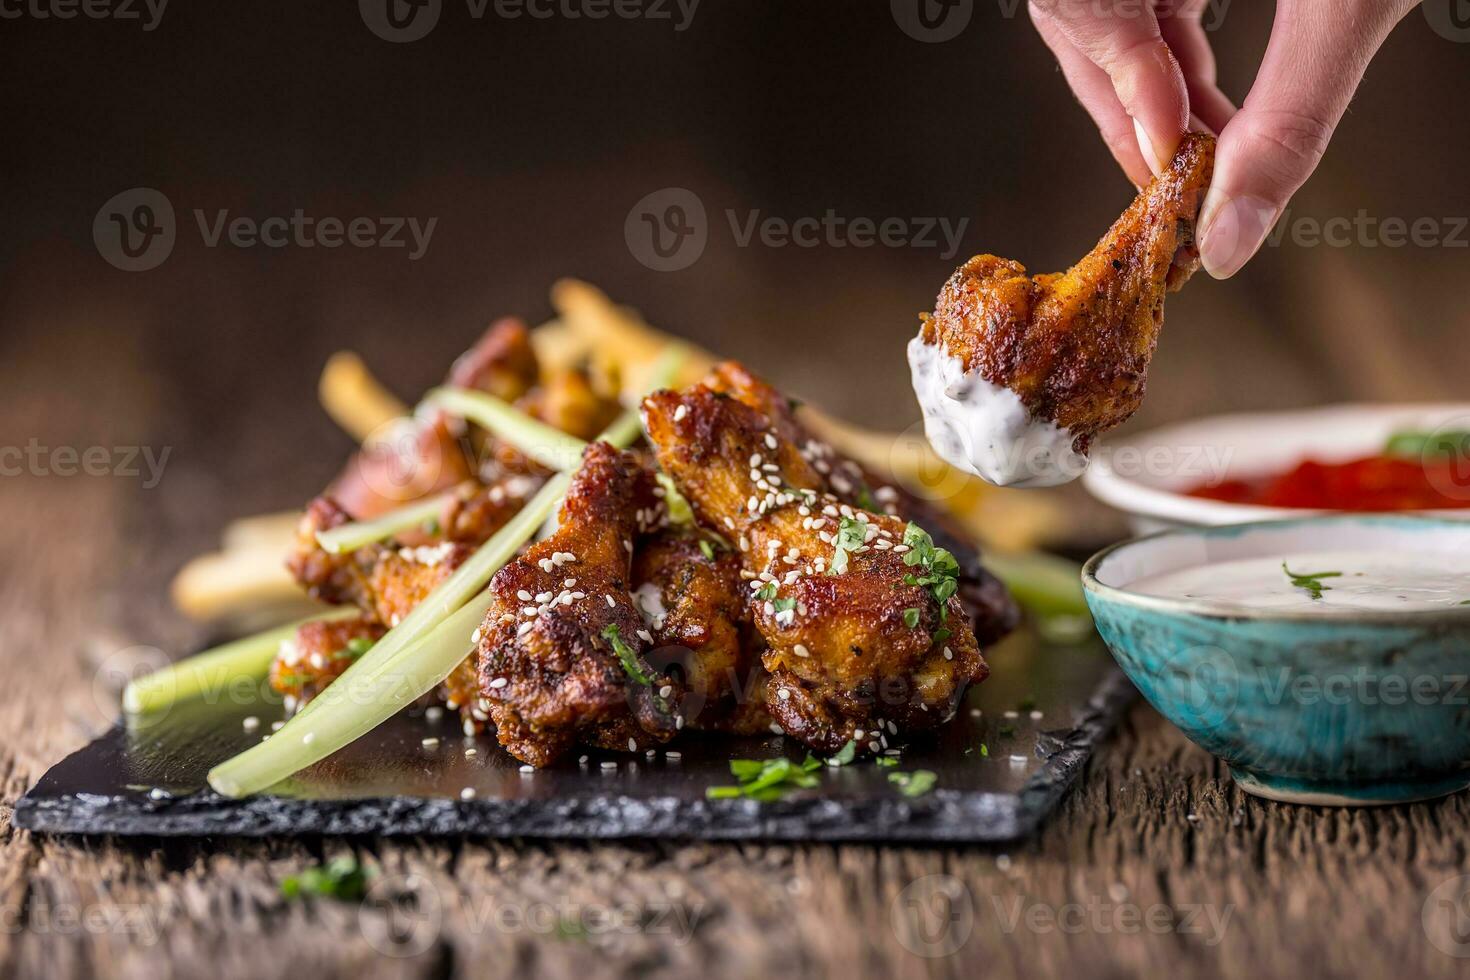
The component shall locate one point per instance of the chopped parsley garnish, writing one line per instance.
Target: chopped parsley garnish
(915, 783)
(850, 536)
(355, 648)
(886, 761)
(1311, 581)
(984, 750)
(911, 617)
(431, 527)
(783, 605)
(707, 548)
(1423, 444)
(867, 501)
(627, 656)
(768, 780)
(844, 755)
(1007, 730)
(341, 878)
(767, 592)
(937, 569)
(1028, 703)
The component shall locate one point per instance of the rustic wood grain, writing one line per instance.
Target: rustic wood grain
(1155, 821)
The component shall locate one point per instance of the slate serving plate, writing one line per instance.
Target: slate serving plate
(1039, 716)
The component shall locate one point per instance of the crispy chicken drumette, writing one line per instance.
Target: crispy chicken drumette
(561, 650)
(992, 609)
(694, 602)
(862, 642)
(1016, 373)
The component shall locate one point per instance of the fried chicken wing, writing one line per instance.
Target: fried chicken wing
(1016, 374)
(859, 648)
(694, 604)
(561, 650)
(318, 654)
(992, 610)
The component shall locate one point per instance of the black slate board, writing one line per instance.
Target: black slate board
(149, 779)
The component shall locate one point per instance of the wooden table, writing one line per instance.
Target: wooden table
(1155, 866)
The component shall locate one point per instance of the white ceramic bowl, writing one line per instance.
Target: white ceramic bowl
(1146, 475)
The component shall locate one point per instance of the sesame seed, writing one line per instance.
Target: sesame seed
(251, 723)
(632, 744)
(645, 636)
(800, 650)
(784, 694)
(471, 752)
(308, 738)
(666, 690)
(1013, 714)
(276, 725)
(673, 756)
(468, 727)
(498, 683)
(523, 595)
(524, 628)
(468, 793)
(1036, 716)
(429, 743)
(948, 654)
(680, 412)
(609, 765)
(157, 794)
(528, 769)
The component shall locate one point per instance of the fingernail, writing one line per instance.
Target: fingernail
(1231, 231)
(1146, 147)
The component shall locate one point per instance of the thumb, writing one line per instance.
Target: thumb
(1315, 59)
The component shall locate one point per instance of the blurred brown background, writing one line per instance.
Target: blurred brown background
(530, 140)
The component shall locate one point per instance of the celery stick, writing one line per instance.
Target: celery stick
(351, 709)
(461, 585)
(546, 445)
(1043, 584)
(394, 656)
(358, 534)
(213, 670)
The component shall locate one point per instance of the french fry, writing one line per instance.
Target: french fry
(354, 399)
(266, 532)
(235, 583)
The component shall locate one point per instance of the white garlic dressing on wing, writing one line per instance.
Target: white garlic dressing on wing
(1379, 580)
(984, 429)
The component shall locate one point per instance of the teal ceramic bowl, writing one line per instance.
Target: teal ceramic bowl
(1361, 707)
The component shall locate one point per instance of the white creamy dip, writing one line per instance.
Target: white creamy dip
(1380, 580)
(984, 429)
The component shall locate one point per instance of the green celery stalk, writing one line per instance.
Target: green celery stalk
(215, 669)
(352, 709)
(359, 534)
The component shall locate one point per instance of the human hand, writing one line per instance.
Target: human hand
(1145, 71)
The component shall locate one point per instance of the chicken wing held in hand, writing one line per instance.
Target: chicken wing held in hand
(865, 640)
(1016, 374)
